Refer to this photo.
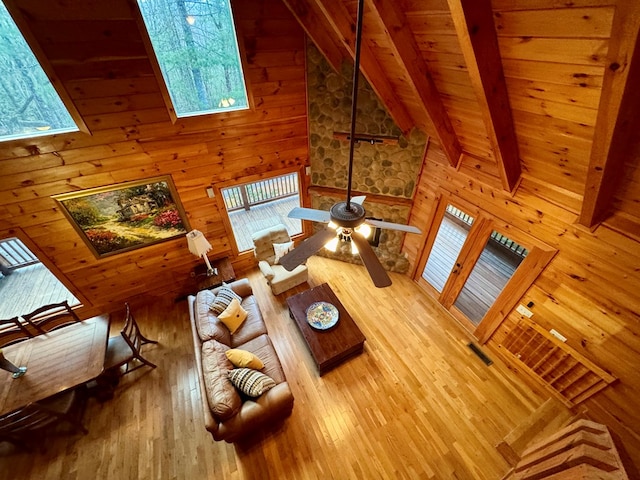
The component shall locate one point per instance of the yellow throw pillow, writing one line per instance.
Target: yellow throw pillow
(244, 359)
(233, 315)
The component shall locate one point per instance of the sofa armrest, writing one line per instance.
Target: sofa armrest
(210, 423)
(266, 270)
(273, 405)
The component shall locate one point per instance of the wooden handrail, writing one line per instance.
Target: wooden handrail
(559, 368)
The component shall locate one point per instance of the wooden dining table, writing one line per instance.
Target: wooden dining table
(55, 361)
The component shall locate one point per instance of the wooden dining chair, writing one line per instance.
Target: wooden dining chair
(124, 349)
(12, 330)
(26, 426)
(49, 317)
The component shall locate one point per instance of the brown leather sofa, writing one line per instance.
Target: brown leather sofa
(228, 414)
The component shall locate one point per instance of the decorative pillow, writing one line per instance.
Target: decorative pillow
(223, 299)
(281, 249)
(233, 315)
(251, 382)
(242, 358)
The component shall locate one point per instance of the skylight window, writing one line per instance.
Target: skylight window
(197, 50)
(29, 105)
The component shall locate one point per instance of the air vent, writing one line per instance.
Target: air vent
(480, 354)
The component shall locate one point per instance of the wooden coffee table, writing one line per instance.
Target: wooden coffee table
(328, 347)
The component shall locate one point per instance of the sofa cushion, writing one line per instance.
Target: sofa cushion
(284, 279)
(244, 359)
(208, 326)
(223, 398)
(252, 327)
(251, 382)
(263, 348)
(224, 296)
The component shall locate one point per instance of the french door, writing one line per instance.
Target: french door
(477, 266)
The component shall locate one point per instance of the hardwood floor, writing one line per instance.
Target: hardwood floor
(416, 404)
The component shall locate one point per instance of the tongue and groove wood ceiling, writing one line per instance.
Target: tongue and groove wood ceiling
(535, 91)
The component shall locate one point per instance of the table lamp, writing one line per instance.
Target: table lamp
(199, 246)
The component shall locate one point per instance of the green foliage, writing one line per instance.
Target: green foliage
(29, 105)
(198, 58)
(83, 212)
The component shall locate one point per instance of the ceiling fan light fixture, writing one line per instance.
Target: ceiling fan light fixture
(354, 248)
(364, 230)
(332, 245)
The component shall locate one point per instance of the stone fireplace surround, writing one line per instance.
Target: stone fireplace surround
(379, 170)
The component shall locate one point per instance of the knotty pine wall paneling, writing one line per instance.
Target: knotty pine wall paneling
(554, 58)
(588, 293)
(97, 53)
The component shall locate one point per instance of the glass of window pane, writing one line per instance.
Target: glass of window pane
(497, 263)
(29, 105)
(196, 47)
(258, 205)
(452, 234)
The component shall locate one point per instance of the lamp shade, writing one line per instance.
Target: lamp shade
(198, 245)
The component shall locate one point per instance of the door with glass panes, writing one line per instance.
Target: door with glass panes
(472, 261)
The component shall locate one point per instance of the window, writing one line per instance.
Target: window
(29, 105)
(258, 205)
(196, 47)
(25, 282)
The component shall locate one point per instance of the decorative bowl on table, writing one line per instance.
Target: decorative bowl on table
(322, 315)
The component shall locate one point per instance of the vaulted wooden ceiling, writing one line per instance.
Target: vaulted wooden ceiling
(512, 90)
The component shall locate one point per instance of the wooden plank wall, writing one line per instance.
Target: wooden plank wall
(113, 87)
(554, 58)
(589, 292)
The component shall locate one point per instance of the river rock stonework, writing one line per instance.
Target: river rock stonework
(388, 170)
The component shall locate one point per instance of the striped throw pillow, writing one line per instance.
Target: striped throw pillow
(223, 298)
(251, 382)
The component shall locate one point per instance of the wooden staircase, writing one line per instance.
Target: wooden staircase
(582, 450)
(550, 417)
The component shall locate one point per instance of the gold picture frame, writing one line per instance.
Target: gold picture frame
(126, 216)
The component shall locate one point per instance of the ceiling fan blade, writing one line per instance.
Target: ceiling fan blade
(376, 271)
(359, 200)
(393, 226)
(310, 214)
(311, 245)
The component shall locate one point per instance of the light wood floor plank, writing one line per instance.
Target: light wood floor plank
(416, 404)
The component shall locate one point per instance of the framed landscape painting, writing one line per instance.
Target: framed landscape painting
(122, 217)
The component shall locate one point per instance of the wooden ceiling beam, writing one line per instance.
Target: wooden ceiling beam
(616, 123)
(344, 27)
(414, 68)
(315, 26)
(473, 21)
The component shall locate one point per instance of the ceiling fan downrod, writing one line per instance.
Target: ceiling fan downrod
(354, 102)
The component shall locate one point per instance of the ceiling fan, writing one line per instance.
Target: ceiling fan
(346, 220)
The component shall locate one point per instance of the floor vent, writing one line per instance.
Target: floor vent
(480, 353)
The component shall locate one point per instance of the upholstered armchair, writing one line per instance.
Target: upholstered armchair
(270, 245)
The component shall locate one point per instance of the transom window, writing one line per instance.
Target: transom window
(196, 47)
(29, 105)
